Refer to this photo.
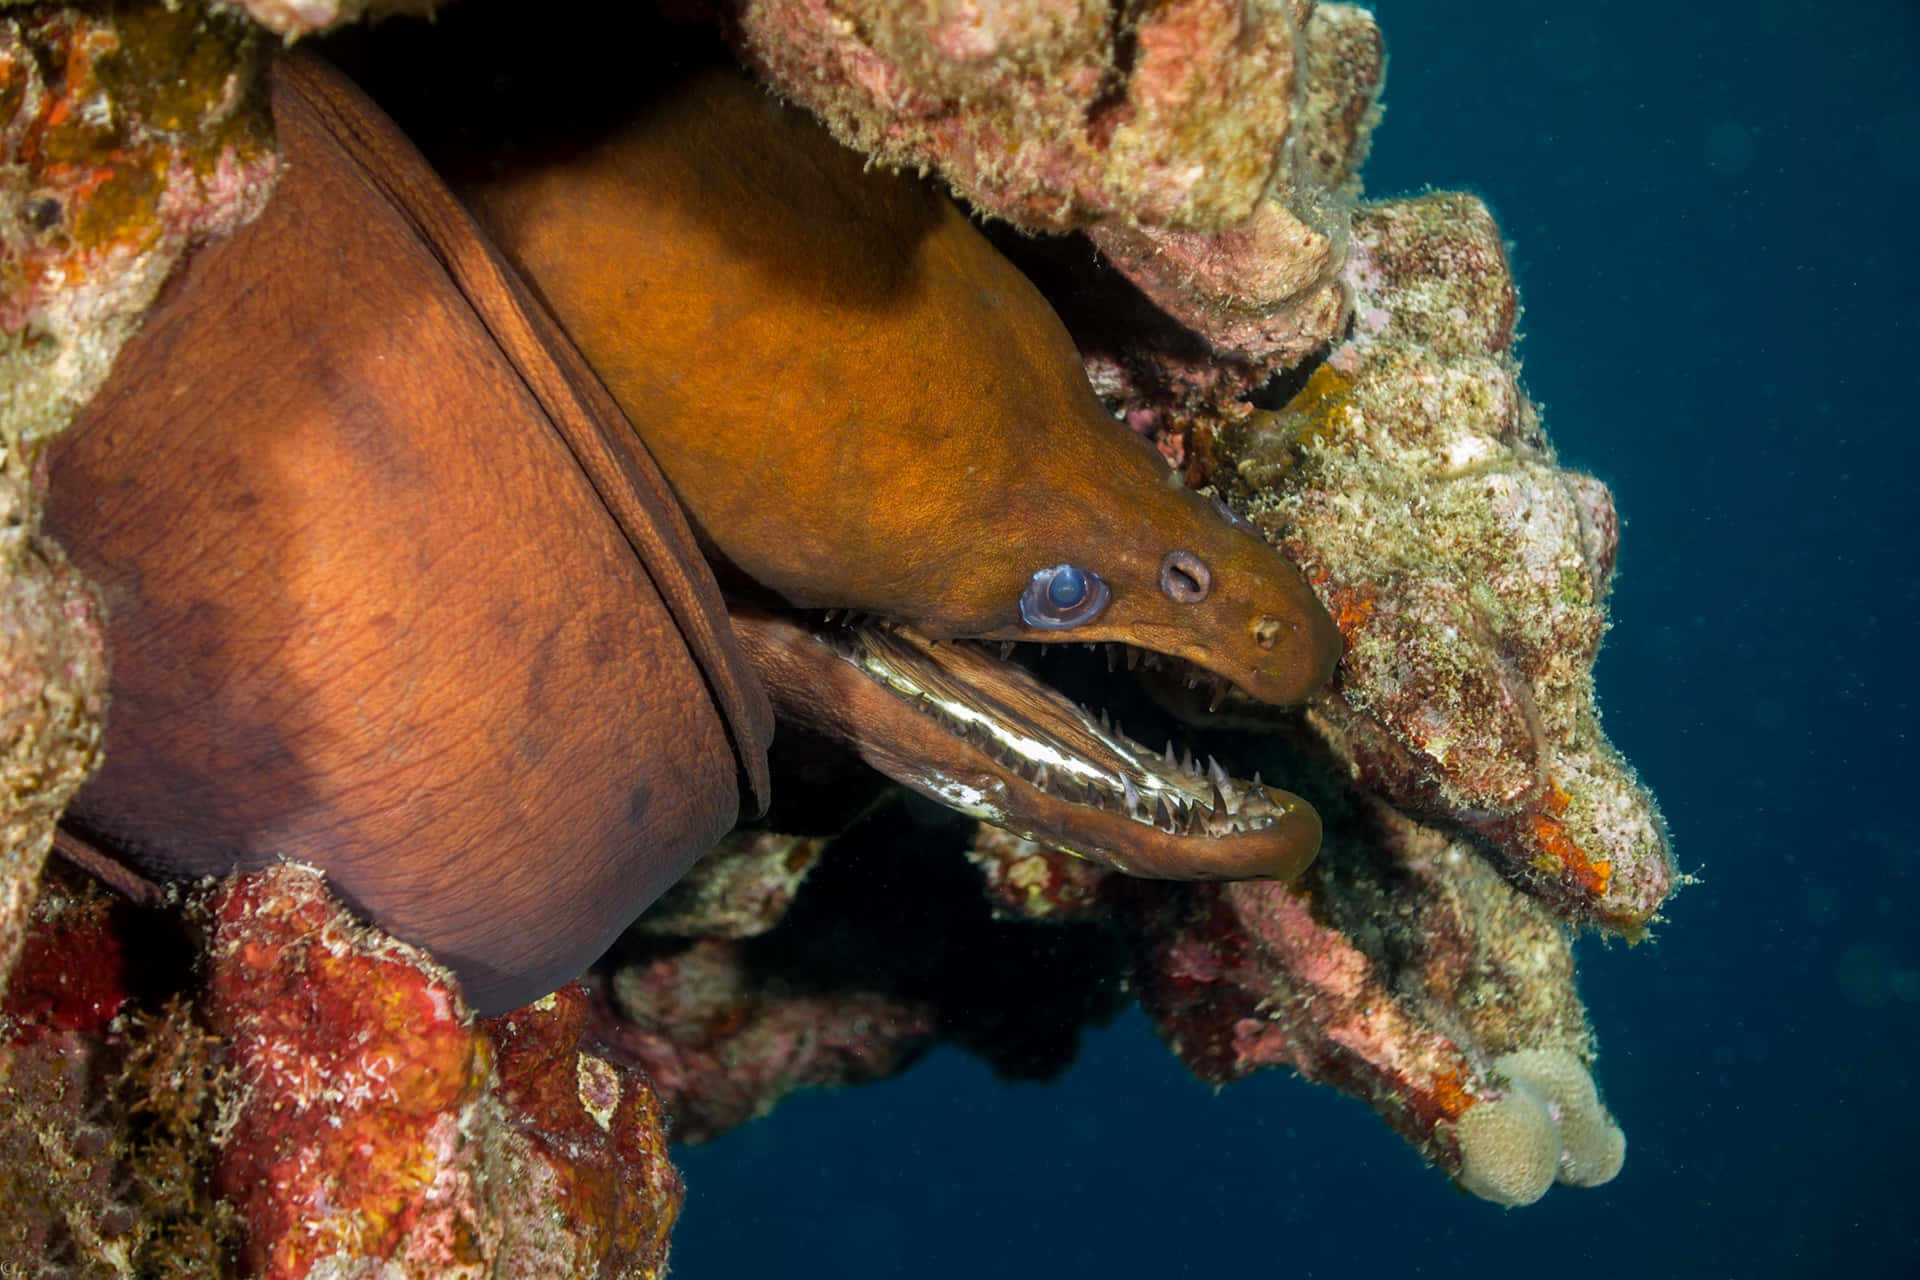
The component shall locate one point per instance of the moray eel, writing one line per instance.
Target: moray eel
(865, 407)
(396, 588)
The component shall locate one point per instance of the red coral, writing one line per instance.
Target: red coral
(371, 1123)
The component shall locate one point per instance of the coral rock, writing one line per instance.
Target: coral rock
(105, 1107)
(126, 135)
(374, 1123)
(53, 678)
(1399, 969)
(1031, 882)
(1052, 114)
(1549, 1125)
(723, 1047)
(1467, 570)
(740, 888)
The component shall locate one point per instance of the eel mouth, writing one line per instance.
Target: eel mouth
(961, 723)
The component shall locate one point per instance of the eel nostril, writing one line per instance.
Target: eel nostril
(1185, 577)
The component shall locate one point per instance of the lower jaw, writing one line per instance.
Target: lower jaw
(983, 736)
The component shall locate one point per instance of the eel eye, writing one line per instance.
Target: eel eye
(1062, 597)
(1185, 577)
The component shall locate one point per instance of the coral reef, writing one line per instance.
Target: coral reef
(1051, 116)
(109, 1101)
(321, 1101)
(372, 1120)
(739, 888)
(1467, 570)
(723, 1045)
(124, 139)
(1401, 970)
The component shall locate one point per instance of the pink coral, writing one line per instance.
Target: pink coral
(374, 1122)
(724, 1046)
(1055, 113)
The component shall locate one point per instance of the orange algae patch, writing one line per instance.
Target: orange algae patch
(1323, 408)
(1550, 835)
(130, 105)
(1351, 607)
(1451, 1094)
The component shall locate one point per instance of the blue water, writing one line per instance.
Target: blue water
(1705, 201)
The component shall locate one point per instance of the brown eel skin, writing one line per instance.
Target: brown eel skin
(863, 405)
(396, 590)
(388, 589)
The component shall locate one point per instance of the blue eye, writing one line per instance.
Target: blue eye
(1062, 597)
(1067, 588)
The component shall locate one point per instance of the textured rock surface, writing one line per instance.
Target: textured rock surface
(372, 1123)
(1052, 114)
(124, 138)
(317, 1103)
(738, 889)
(725, 1041)
(1467, 570)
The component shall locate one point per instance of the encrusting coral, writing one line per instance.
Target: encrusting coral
(111, 171)
(319, 1100)
(437, 1145)
(1467, 570)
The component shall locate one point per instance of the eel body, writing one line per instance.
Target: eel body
(861, 403)
(389, 589)
(395, 588)
(865, 407)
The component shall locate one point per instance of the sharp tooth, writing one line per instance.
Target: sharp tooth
(828, 616)
(1106, 722)
(1215, 772)
(1161, 818)
(1219, 696)
(1040, 777)
(1186, 759)
(1219, 801)
(1133, 657)
(1006, 650)
(1169, 756)
(1194, 824)
(1133, 795)
(1258, 785)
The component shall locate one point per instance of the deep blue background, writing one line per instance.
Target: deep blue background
(1706, 202)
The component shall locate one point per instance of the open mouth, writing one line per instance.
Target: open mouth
(962, 723)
